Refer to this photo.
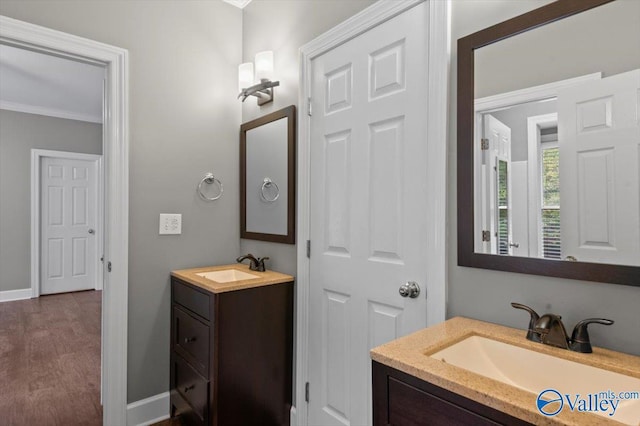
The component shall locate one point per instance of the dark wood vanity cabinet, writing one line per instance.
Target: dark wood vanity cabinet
(231, 355)
(400, 399)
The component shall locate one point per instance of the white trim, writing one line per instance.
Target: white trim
(149, 410)
(49, 112)
(529, 94)
(438, 60)
(116, 172)
(534, 178)
(238, 3)
(36, 158)
(11, 295)
(293, 418)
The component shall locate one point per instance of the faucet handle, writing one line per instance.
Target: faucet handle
(531, 332)
(261, 267)
(580, 341)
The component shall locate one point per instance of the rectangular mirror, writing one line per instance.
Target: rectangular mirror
(267, 177)
(549, 143)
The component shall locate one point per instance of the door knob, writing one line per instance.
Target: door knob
(409, 289)
(91, 231)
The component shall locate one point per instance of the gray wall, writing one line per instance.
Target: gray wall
(485, 294)
(295, 23)
(515, 118)
(184, 121)
(603, 39)
(19, 133)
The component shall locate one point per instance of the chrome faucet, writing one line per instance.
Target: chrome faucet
(255, 264)
(549, 329)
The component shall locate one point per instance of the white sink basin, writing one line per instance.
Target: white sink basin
(535, 372)
(227, 275)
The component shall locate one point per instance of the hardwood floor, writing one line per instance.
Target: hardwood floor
(50, 360)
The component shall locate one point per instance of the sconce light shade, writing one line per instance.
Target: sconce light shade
(263, 87)
(245, 75)
(264, 65)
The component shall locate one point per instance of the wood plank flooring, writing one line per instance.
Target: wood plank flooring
(50, 360)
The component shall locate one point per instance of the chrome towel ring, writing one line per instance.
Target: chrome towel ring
(209, 178)
(267, 183)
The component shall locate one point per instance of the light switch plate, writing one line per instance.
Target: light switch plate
(170, 224)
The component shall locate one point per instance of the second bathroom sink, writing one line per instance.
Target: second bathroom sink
(227, 275)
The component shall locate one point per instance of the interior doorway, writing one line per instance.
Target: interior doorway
(114, 62)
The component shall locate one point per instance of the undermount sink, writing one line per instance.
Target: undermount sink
(227, 275)
(535, 372)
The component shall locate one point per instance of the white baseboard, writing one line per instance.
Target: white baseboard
(293, 419)
(11, 295)
(149, 410)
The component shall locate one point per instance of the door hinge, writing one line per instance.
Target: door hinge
(109, 266)
(309, 112)
(484, 144)
(486, 236)
(306, 392)
(309, 248)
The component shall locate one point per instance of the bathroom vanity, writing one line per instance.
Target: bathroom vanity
(231, 346)
(464, 371)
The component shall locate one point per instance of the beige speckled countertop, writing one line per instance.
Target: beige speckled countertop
(409, 354)
(265, 278)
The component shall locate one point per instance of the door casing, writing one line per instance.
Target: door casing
(438, 60)
(116, 178)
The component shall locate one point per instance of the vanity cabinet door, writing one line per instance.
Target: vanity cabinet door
(191, 340)
(403, 400)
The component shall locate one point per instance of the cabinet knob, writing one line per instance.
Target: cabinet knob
(188, 388)
(189, 339)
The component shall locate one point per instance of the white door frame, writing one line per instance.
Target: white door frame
(438, 63)
(534, 174)
(116, 179)
(36, 160)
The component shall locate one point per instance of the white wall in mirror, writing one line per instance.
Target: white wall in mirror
(266, 151)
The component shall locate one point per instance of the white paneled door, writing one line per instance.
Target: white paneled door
(368, 198)
(68, 224)
(499, 207)
(599, 134)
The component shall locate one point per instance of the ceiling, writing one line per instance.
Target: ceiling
(43, 84)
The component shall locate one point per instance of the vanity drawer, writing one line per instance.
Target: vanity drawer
(194, 300)
(191, 387)
(191, 340)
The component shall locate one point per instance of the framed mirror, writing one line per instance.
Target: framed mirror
(549, 143)
(267, 177)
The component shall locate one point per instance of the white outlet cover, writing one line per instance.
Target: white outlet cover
(170, 224)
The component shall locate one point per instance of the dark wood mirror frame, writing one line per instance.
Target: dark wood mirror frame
(290, 238)
(600, 272)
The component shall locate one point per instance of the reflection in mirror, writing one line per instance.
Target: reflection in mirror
(557, 140)
(570, 71)
(267, 175)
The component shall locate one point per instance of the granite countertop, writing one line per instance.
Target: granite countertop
(409, 354)
(264, 278)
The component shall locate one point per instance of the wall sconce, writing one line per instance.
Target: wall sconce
(263, 74)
